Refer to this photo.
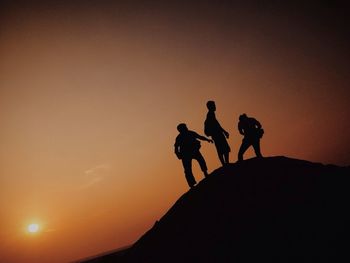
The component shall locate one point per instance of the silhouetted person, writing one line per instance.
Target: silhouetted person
(213, 128)
(252, 131)
(187, 148)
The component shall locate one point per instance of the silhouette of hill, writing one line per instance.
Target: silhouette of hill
(273, 209)
(107, 256)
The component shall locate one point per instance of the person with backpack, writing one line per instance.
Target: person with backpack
(213, 128)
(187, 148)
(252, 131)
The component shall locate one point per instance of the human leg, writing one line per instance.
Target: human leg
(222, 148)
(244, 146)
(218, 150)
(226, 157)
(221, 158)
(187, 164)
(256, 146)
(200, 159)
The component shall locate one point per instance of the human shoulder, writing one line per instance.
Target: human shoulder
(255, 120)
(178, 138)
(192, 133)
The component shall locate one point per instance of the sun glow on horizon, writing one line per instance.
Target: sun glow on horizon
(33, 228)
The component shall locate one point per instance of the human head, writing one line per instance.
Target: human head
(182, 127)
(243, 117)
(211, 105)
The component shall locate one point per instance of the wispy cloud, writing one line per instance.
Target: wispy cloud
(95, 175)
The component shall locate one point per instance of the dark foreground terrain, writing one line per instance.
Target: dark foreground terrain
(261, 210)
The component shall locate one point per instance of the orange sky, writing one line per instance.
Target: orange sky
(91, 94)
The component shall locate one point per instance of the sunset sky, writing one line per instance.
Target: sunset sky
(91, 93)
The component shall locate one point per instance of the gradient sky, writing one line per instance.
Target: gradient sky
(91, 93)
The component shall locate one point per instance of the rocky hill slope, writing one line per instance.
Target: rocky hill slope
(273, 209)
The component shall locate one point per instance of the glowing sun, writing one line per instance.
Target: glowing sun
(33, 228)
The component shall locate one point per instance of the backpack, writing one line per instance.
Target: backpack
(260, 133)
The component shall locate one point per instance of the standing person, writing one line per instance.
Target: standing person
(187, 148)
(252, 131)
(213, 128)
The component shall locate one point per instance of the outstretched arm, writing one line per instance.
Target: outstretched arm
(203, 138)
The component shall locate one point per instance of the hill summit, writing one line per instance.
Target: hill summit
(273, 209)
